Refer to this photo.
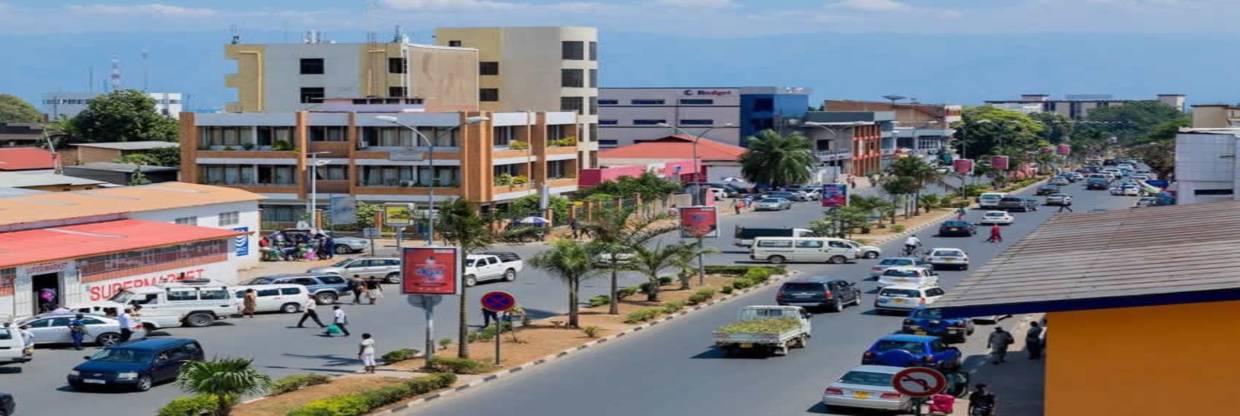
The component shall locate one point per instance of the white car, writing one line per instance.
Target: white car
(487, 267)
(866, 387)
(193, 303)
(1059, 199)
(1130, 190)
(942, 258)
(279, 297)
(718, 193)
(12, 346)
(100, 330)
(917, 276)
(1116, 190)
(990, 199)
(890, 262)
(772, 204)
(866, 252)
(997, 217)
(904, 298)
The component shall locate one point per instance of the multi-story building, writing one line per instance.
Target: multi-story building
(724, 114)
(536, 69)
(849, 142)
(1206, 165)
(58, 105)
(1215, 116)
(507, 156)
(1078, 106)
(921, 129)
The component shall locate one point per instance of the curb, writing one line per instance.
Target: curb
(552, 357)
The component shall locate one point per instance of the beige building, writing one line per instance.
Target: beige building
(1215, 116)
(1078, 106)
(537, 69)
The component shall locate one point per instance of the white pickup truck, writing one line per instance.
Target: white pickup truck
(767, 328)
(492, 266)
(189, 303)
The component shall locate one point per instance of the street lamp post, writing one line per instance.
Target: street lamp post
(697, 188)
(312, 204)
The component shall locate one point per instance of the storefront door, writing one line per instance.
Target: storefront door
(46, 291)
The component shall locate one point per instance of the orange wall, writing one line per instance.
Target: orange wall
(1158, 360)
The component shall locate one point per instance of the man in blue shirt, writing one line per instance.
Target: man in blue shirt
(77, 330)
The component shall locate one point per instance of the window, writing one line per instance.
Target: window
(608, 143)
(775, 243)
(648, 122)
(764, 104)
(332, 280)
(823, 145)
(182, 295)
(187, 220)
(501, 136)
(607, 122)
(311, 66)
(608, 101)
(290, 291)
(397, 65)
(448, 176)
(312, 95)
(934, 291)
(646, 102)
(571, 104)
(332, 173)
(282, 213)
(397, 91)
(697, 122)
(593, 105)
(213, 294)
(593, 78)
(327, 133)
(572, 50)
(230, 218)
(216, 137)
(1212, 192)
(454, 43)
(809, 244)
(572, 78)
(840, 244)
(268, 136)
(593, 51)
(226, 174)
(696, 101)
(488, 68)
(488, 94)
(275, 174)
(557, 169)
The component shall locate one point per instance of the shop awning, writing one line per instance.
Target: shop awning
(60, 243)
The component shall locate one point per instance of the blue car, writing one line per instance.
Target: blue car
(922, 321)
(913, 351)
(136, 365)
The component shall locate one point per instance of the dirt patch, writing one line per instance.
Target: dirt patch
(282, 404)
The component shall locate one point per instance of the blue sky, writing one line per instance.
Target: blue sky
(960, 51)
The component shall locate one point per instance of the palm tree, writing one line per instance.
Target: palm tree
(569, 260)
(929, 202)
(459, 224)
(778, 160)
(615, 233)
(226, 379)
(898, 187)
(652, 261)
(868, 204)
(921, 172)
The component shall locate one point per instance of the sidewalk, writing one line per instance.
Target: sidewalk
(1017, 383)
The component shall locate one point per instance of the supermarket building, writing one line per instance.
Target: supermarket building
(84, 246)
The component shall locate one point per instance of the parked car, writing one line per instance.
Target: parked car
(137, 365)
(1130, 190)
(953, 228)
(891, 262)
(864, 251)
(902, 350)
(923, 321)
(1018, 203)
(819, 292)
(278, 297)
(732, 339)
(387, 268)
(325, 288)
(802, 249)
(744, 236)
(100, 330)
(1097, 182)
(1147, 201)
(905, 297)
(1059, 199)
(488, 267)
(990, 199)
(193, 303)
(793, 196)
(997, 217)
(12, 347)
(1077, 176)
(344, 244)
(866, 387)
(772, 204)
(920, 276)
(1050, 188)
(946, 257)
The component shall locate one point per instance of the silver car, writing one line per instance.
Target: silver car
(100, 329)
(772, 204)
(386, 268)
(348, 245)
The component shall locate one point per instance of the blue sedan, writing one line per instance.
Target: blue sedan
(922, 321)
(913, 351)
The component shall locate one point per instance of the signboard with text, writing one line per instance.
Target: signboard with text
(1063, 149)
(699, 222)
(430, 271)
(398, 215)
(834, 195)
(241, 243)
(963, 166)
(999, 162)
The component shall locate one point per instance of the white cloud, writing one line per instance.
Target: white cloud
(870, 5)
(711, 4)
(450, 5)
(142, 9)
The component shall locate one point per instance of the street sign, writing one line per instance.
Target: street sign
(498, 301)
(919, 382)
(834, 195)
(430, 271)
(699, 222)
(398, 215)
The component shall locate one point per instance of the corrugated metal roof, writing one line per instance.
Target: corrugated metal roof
(1076, 260)
(113, 201)
(136, 145)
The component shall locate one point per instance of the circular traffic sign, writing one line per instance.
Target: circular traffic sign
(919, 382)
(498, 301)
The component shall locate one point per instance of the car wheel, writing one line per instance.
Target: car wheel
(199, 319)
(343, 249)
(144, 384)
(871, 255)
(776, 259)
(470, 281)
(290, 308)
(510, 275)
(857, 298)
(393, 278)
(964, 267)
(837, 260)
(837, 307)
(107, 339)
(325, 298)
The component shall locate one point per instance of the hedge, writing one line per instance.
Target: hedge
(701, 296)
(298, 381)
(673, 306)
(625, 292)
(734, 270)
(642, 315)
(757, 275)
(360, 403)
(399, 355)
(195, 405)
(600, 300)
(459, 365)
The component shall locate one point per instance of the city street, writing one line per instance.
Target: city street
(674, 369)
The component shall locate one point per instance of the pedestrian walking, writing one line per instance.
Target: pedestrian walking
(308, 312)
(329, 246)
(736, 205)
(340, 320)
(357, 286)
(374, 290)
(982, 401)
(77, 331)
(960, 212)
(1066, 205)
(572, 224)
(125, 322)
(249, 303)
(366, 352)
(487, 316)
(998, 344)
(996, 235)
(1033, 341)
(27, 341)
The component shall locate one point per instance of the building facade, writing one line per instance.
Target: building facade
(505, 157)
(849, 142)
(919, 129)
(1078, 106)
(58, 105)
(724, 114)
(1206, 166)
(536, 69)
(1215, 116)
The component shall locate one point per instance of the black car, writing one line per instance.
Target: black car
(1018, 203)
(1047, 189)
(957, 229)
(7, 405)
(1097, 184)
(819, 291)
(136, 365)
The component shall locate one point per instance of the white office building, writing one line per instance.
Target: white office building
(723, 114)
(1205, 165)
(58, 105)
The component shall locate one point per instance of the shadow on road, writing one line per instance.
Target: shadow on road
(10, 370)
(717, 354)
(330, 360)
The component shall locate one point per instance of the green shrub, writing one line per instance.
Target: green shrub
(625, 292)
(644, 288)
(734, 270)
(195, 405)
(297, 381)
(764, 326)
(673, 306)
(363, 402)
(727, 290)
(898, 228)
(642, 315)
(709, 292)
(591, 331)
(459, 365)
(666, 280)
(398, 355)
(742, 283)
(599, 300)
(757, 274)
(472, 337)
(445, 342)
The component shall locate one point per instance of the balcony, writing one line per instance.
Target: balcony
(833, 155)
(332, 186)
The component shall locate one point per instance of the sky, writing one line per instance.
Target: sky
(956, 51)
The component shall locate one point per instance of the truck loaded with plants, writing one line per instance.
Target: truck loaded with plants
(765, 329)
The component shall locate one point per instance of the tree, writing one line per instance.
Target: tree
(919, 171)
(1056, 128)
(1134, 121)
(1160, 156)
(650, 261)
(570, 261)
(17, 110)
(459, 224)
(122, 116)
(778, 160)
(224, 378)
(840, 222)
(167, 156)
(616, 232)
(366, 213)
(897, 187)
(983, 130)
(929, 201)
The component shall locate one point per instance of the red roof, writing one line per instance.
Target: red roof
(678, 147)
(84, 240)
(25, 158)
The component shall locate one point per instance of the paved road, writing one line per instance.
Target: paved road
(674, 369)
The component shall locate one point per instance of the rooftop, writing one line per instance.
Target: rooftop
(32, 179)
(141, 145)
(6, 192)
(1104, 260)
(98, 238)
(676, 147)
(25, 158)
(121, 167)
(115, 201)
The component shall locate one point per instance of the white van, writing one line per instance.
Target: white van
(279, 297)
(195, 303)
(803, 249)
(990, 199)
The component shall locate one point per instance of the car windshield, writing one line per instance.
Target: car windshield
(866, 378)
(900, 273)
(261, 281)
(770, 201)
(900, 293)
(947, 253)
(895, 262)
(342, 263)
(995, 214)
(926, 314)
(122, 297)
(910, 346)
(469, 262)
(955, 224)
(122, 355)
(802, 287)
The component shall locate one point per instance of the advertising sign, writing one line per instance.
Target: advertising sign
(342, 210)
(241, 243)
(963, 166)
(1064, 149)
(398, 215)
(834, 195)
(999, 162)
(430, 271)
(699, 222)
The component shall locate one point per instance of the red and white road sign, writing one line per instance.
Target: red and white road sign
(919, 382)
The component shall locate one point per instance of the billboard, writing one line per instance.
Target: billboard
(430, 271)
(342, 210)
(834, 195)
(1063, 150)
(699, 222)
(963, 166)
(999, 162)
(397, 215)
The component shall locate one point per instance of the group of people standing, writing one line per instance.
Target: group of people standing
(297, 246)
